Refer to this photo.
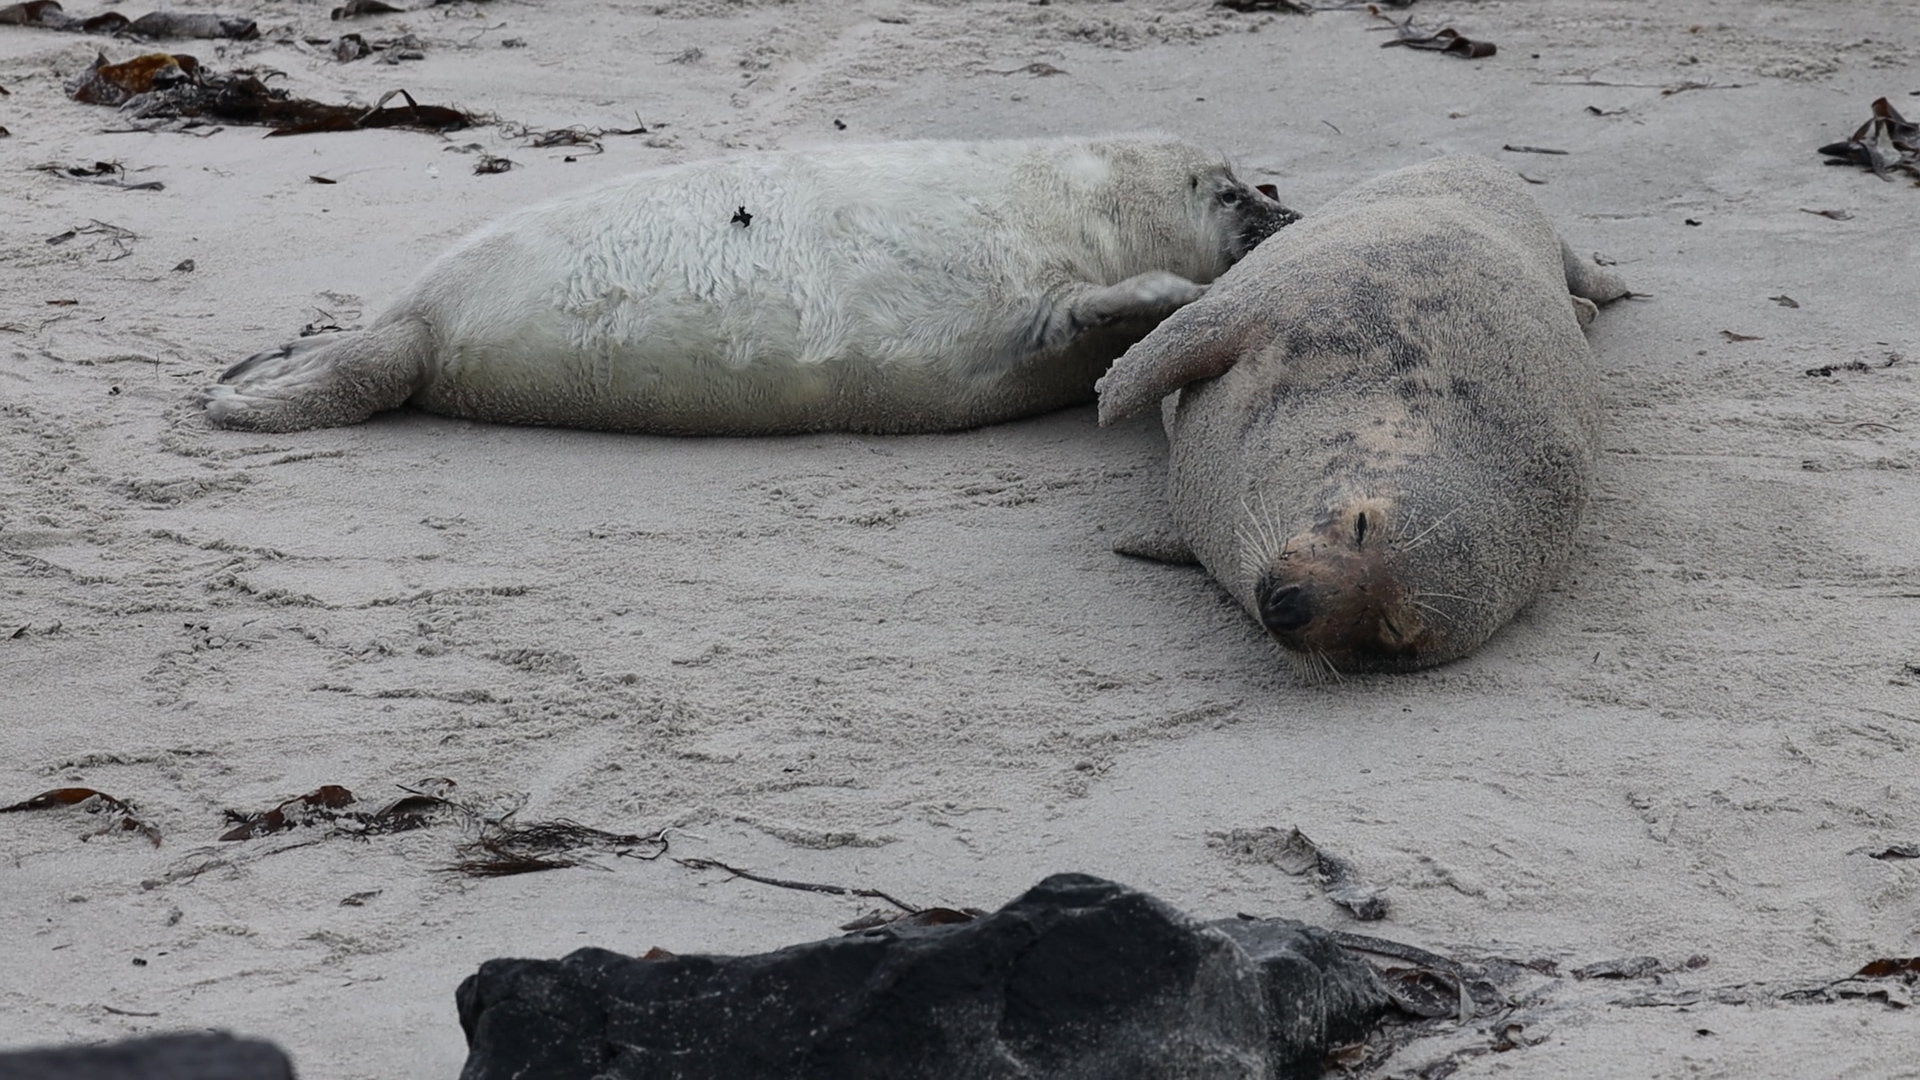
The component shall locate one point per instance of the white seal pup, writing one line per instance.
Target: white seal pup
(918, 286)
(1401, 438)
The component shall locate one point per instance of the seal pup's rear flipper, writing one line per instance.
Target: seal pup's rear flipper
(1589, 281)
(325, 381)
(1188, 346)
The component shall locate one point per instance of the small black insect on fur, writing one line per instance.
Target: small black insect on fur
(741, 218)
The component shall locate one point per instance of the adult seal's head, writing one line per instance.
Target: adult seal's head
(903, 287)
(1389, 418)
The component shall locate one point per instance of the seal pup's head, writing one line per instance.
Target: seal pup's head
(1160, 190)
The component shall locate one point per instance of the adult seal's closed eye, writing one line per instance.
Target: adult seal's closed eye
(920, 286)
(1401, 438)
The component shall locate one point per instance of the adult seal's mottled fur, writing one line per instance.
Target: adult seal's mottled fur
(918, 286)
(1401, 438)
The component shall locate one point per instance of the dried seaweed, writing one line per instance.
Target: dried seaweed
(1038, 69)
(193, 24)
(577, 135)
(933, 916)
(802, 886)
(1295, 853)
(394, 50)
(122, 816)
(1888, 979)
(355, 8)
(327, 805)
(1632, 967)
(1306, 7)
(1399, 950)
(1826, 371)
(350, 47)
(1446, 40)
(504, 849)
(1435, 993)
(318, 805)
(1428, 993)
(1438, 995)
(1904, 967)
(573, 136)
(1297, 7)
(1885, 143)
(493, 859)
(116, 84)
(176, 86)
(120, 240)
(49, 15)
(100, 173)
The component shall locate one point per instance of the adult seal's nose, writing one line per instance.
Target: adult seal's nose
(1284, 609)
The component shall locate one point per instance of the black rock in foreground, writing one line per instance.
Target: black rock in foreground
(209, 1055)
(1077, 978)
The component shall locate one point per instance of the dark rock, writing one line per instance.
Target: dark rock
(212, 1055)
(1319, 995)
(1078, 977)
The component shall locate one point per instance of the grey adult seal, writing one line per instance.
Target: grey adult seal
(1401, 438)
(917, 286)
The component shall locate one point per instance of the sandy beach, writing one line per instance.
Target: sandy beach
(913, 664)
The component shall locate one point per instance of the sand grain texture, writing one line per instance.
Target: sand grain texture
(912, 664)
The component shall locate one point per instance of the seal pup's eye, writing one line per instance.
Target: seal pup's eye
(1230, 197)
(1360, 528)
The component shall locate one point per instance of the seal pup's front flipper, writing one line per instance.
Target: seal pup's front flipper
(325, 381)
(1146, 298)
(1188, 346)
(1589, 280)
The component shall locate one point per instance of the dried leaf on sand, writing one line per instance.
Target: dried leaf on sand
(122, 817)
(1886, 143)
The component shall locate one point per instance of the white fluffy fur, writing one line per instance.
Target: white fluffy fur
(902, 287)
